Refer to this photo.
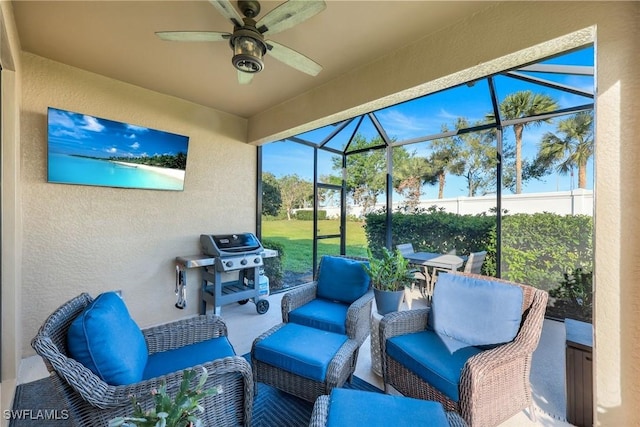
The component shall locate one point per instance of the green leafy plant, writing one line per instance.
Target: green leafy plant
(577, 287)
(390, 272)
(180, 411)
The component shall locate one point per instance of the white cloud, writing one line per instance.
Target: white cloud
(61, 119)
(130, 136)
(92, 124)
(401, 125)
(135, 145)
(112, 150)
(444, 114)
(137, 129)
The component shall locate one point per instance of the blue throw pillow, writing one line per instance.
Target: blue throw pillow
(106, 340)
(342, 279)
(479, 312)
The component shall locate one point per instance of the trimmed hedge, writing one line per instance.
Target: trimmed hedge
(307, 215)
(435, 231)
(537, 249)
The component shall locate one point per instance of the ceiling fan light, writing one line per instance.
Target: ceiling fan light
(247, 54)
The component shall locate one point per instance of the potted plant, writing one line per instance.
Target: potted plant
(180, 411)
(389, 275)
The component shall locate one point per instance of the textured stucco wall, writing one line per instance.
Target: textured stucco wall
(93, 239)
(11, 232)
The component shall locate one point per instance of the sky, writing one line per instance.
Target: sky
(81, 134)
(427, 115)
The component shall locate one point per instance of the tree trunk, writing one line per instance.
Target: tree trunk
(517, 130)
(441, 180)
(582, 175)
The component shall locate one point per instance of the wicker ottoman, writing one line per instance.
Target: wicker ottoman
(346, 407)
(303, 361)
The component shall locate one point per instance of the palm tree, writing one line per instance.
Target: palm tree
(410, 176)
(573, 148)
(445, 157)
(520, 105)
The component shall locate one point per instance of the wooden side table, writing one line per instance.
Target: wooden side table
(579, 365)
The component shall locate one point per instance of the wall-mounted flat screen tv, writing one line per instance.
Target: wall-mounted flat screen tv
(89, 150)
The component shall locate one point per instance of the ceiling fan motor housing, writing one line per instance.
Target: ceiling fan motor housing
(248, 48)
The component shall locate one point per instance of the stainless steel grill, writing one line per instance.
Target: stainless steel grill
(235, 254)
(233, 251)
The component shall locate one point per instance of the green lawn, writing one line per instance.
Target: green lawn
(297, 239)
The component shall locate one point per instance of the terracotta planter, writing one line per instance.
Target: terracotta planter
(388, 301)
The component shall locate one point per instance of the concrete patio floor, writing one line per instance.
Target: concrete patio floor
(547, 374)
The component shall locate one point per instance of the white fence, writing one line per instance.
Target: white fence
(575, 202)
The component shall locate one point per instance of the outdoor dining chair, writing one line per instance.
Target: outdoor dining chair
(474, 262)
(421, 276)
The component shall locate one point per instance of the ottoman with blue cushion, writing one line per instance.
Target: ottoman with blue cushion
(345, 407)
(303, 361)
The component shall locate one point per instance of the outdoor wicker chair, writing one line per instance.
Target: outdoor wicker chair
(93, 402)
(334, 312)
(493, 383)
(356, 323)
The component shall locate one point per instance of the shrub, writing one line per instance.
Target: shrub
(307, 214)
(274, 267)
(576, 289)
(433, 231)
(537, 249)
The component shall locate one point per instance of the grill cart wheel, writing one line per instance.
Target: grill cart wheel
(243, 301)
(262, 306)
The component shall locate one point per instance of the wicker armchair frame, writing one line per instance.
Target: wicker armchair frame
(93, 402)
(320, 414)
(494, 384)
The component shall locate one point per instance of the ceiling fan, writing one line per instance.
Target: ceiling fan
(247, 39)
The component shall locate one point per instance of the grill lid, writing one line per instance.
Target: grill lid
(230, 244)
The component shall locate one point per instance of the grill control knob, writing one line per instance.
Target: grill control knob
(256, 260)
(229, 264)
(243, 262)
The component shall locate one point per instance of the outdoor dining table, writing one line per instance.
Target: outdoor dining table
(433, 261)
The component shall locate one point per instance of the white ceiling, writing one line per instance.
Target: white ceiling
(116, 39)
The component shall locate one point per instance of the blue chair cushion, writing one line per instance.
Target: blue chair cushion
(436, 359)
(300, 350)
(106, 340)
(341, 279)
(479, 312)
(322, 314)
(365, 408)
(181, 358)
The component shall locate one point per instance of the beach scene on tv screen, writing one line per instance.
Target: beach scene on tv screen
(89, 150)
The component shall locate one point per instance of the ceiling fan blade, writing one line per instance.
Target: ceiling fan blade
(293, 59)
(244, 78)
(228, 11)
(193, 36)
(289, 14)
